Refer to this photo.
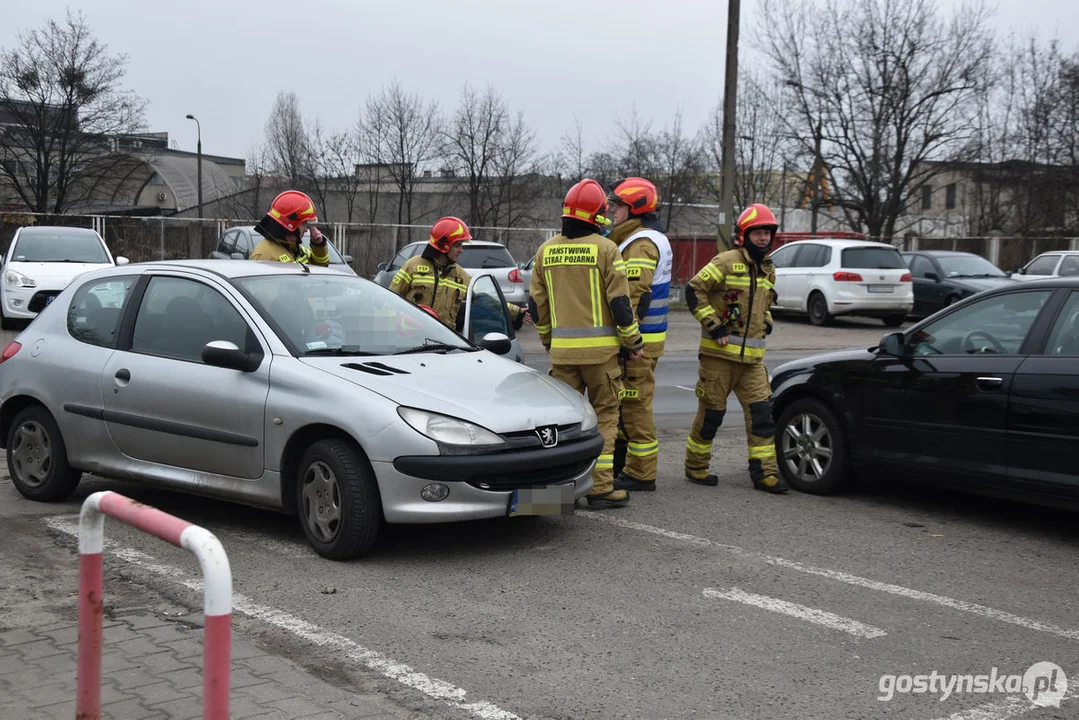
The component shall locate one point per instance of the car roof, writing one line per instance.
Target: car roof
(472, 243)
(1053, 282)
(939, 253)
(42, 229)
(231, 268)
(840, 243)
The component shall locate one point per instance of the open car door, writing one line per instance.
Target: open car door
(487, 320)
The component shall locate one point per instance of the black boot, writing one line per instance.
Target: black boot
(625, 482)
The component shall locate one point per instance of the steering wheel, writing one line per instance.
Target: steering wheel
(969, 337)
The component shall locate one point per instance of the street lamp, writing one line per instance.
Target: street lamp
(818, 161)
(198, 127)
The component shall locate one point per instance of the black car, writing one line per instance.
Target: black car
(983, 396)
(236, 243)
(943, 277)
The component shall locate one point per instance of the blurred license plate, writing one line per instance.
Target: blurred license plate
(49, 299)
(550, 500)
(879, 288)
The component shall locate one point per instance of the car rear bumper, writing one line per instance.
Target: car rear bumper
(886, 304)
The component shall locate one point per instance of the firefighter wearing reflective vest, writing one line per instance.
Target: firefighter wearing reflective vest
(731, 297)
(435, 280)
(647, 254)
(292, 213)
(580, 303)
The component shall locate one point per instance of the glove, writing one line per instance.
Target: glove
(767, 328)
(317, 238)
(718, 332)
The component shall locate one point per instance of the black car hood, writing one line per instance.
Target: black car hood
(977, 284)
(823, 360)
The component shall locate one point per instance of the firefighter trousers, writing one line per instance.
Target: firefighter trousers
(638, 424)
(749, 382)
(601, 384)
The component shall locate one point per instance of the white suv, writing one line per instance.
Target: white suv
(825, 278)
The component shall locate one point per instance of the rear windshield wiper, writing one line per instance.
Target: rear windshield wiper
(352, 351)
(432, 346)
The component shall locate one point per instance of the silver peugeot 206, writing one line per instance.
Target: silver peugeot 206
(291, 388)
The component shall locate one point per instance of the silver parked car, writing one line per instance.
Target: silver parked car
(290, 388)
(478, 256)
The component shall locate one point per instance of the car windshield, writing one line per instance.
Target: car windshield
(486, 256)
(335, 257)
(59, 245)
(968, 266)
(873, 258)
(318, 314)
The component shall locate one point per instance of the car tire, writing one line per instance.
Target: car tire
(334, 472)
(37, 457)
(818, 310)
(817, 464)
(894, 321)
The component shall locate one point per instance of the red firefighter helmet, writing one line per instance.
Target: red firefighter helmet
(291, 208)
(636, 192)
(586, 201)
(447, 232)
(753, 217)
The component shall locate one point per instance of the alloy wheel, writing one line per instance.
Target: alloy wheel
(807, 447)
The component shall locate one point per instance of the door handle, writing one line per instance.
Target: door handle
(989, 384)
(123, 375)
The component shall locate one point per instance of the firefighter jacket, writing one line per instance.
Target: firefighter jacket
(732, 295)
(273, 250)
(581, 296)
(441, 288)
(649, 263)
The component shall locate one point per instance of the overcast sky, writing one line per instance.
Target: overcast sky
(226, 60)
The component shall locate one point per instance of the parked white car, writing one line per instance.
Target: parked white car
(826, 278)
(41, 261)
(1063, 263)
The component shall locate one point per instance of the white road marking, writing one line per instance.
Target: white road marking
(432, 687)
(683, 387)
(1004, 709)
(802, 612)
(952, 603)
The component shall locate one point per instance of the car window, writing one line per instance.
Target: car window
(93, 317)
(920, 265)
(244, 243)
(1069, 267)
(1044, 265)
(486, 256)
(995, 325)
(813, 256)
(59, 245)
(228, 243)
(874, 258)
(178, 317)
(335, 256)
(487, 313)
(968, 266)
(400, 258)
(784, 256)
(1064, 337)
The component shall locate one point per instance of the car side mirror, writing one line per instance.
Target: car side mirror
(121, 260)
(381, 266)
(1020, 271)
(496, 342)
(225, 354)
(893, 345)
(932, 276)
(347, 259)
(237, 256)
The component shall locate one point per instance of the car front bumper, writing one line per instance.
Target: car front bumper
(22, 303)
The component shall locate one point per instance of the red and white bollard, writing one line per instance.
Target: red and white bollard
(217, 597)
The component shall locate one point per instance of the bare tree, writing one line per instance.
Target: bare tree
(572, 161)
(258, 173)
(60, 90)
(342, 156)
(473, 144)
(679, 166)
(408, 136)
(892, 85)
(288, 145)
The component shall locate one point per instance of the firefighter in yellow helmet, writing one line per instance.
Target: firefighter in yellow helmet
(436, 282)
(647, 254)
(292, 213)
(580, 302)
(731, 297)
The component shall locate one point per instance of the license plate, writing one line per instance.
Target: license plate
(49, 299)
(880, 288)
(550, 500)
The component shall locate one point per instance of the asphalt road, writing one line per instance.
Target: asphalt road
(691, 602)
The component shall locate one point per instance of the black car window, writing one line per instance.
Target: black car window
(244, 243)
(486, 256)
(1069, 266)
(1045, 265)
(813, 256)
(994, 325)
(93, 316)
(400, 258)
(228, 243)
(872, 258)
(920, 266)
(487, 314)
(1064, 338)
(178, 317)
(785, 256)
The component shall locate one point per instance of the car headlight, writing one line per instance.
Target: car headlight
(17, 279)
(448, 430)
(590, 420)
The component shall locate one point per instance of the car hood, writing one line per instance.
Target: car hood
(54, 275)
(823, 361)
(981, 283)
(499, 394)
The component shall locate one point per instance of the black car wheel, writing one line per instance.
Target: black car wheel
(337, 500)
(818, 310)
(37, 457)
(811, 448)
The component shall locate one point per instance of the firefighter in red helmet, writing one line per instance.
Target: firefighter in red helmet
(580, 301)
(731, 297)
(434, 279)
(292, 213)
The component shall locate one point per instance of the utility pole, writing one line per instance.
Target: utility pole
(198, 127)
(818, 170)
(730, 105)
